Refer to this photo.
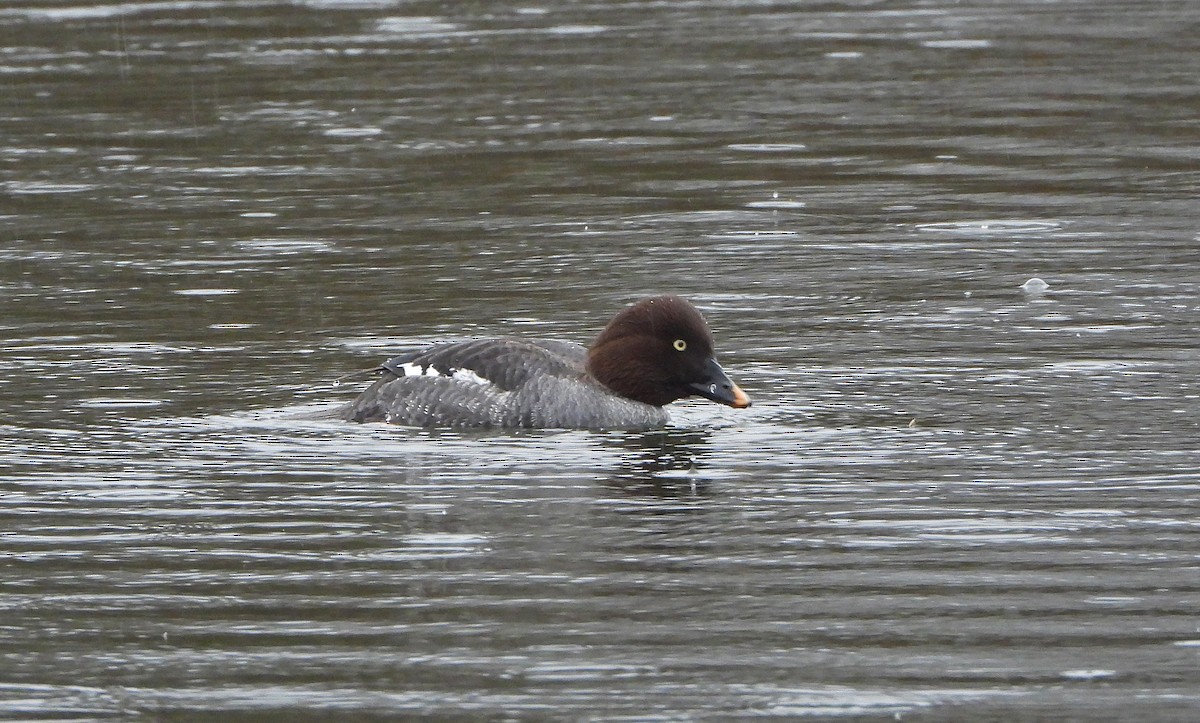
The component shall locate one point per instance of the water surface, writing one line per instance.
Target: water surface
(952, 499)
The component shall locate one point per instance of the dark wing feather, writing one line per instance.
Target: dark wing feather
(406, 393)
(507, 363)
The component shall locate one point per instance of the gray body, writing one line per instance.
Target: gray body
(498, 383)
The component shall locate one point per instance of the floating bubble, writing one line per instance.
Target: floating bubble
(1035, 286)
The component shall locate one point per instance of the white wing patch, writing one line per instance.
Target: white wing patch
(466, 375)
(416, 370)
(463, 375)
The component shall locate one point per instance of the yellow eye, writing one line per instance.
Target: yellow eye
(679, 344)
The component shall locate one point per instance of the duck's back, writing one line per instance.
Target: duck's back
(497, 383)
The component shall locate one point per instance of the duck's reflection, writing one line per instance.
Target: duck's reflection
(661, 463)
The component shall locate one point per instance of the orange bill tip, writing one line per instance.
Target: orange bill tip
(740, 399)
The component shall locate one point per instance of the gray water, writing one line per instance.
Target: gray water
(951, 500)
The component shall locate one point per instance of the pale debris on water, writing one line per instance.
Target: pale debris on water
(1035, 286)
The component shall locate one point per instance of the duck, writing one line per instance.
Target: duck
(652, 353)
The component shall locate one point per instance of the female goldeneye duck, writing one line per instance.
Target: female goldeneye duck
(652, 353)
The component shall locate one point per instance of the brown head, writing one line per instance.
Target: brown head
(659, 350)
